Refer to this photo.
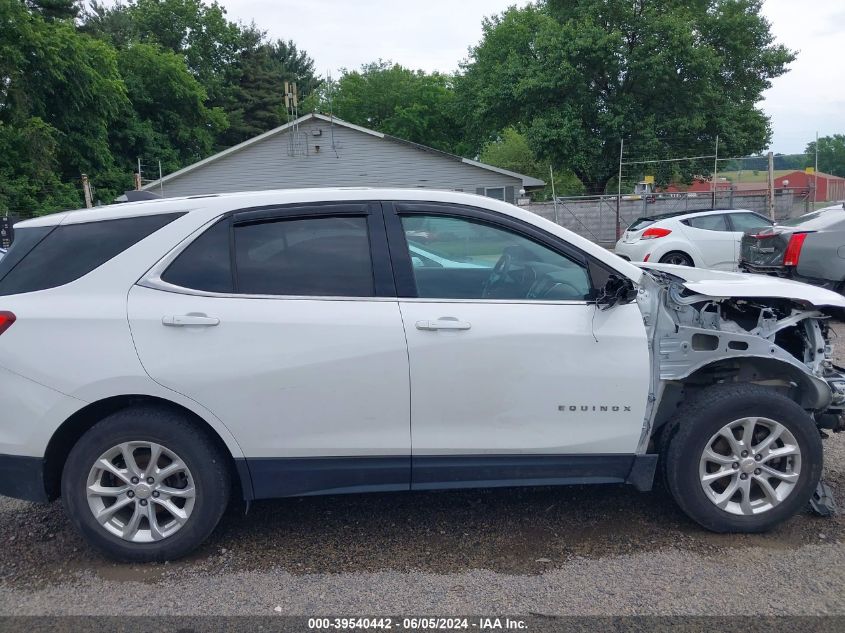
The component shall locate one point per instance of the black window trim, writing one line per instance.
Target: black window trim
(383, 280)
(403, 267)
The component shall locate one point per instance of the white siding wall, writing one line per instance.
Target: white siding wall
(361, 160)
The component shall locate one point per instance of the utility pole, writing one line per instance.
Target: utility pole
(137, 181)
(715, 171)
(816, 173)
(86, 190)
(772, 186)
(160, 179)
(554, 195)
(619, 191)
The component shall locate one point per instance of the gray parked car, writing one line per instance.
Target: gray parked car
(810, 248)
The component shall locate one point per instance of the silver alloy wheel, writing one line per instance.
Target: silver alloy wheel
(141, 492)
(750, 466)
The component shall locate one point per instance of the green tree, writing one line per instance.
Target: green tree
(168, 118)
(512, 151)
(579, 75)
(257, 103)
(55, 9)
(242, 73)
(831, 154)
(61, 95)
(209, 42)
(408, 104)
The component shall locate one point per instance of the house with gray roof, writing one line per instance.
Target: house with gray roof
(322, 151)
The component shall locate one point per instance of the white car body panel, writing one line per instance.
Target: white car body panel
(499, 386)
(729, 284)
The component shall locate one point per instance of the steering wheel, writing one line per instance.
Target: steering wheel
(498, 274)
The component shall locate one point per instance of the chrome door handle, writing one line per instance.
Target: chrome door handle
(190, 319)
(444, 323)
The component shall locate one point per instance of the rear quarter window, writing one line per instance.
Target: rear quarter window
(49, 257)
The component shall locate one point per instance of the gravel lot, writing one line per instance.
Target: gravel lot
(572, 551)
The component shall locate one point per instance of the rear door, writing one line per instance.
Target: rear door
(284, 323)
(714, 239)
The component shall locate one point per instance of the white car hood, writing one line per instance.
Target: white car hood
(717, 283)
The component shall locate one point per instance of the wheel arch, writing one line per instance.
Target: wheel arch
(681, 250)
(73, 428)
(807, 391)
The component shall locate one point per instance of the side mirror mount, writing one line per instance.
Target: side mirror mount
(617, 290)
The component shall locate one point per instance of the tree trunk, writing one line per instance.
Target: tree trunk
(594, 184)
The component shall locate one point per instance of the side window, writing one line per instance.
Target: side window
(205, 264)
(63, 254)
(458, 258)
(709, 223)
(748, 221)
(320, 256)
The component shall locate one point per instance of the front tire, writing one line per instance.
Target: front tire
(742, 458)
(145, 484)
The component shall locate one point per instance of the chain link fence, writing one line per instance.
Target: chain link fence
(594, 217)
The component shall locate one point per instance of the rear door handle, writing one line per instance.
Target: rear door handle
(190, 319)
(444, 323)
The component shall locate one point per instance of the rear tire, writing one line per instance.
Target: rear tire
(677, 258)
(158, 484)
(763, 476)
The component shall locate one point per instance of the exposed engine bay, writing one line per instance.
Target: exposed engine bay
(699, 340)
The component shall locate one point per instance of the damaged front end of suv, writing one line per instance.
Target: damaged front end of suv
(708, 328)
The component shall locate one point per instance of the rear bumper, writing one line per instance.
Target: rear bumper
(633, 251)
(774, 271)
(22, 477)
(786, 272)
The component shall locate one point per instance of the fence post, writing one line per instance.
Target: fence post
(771, 187)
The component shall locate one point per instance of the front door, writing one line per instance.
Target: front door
(516, 377)
(294, 340)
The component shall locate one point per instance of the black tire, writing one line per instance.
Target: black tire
(206, 463)
(678, 258)
(689, 431)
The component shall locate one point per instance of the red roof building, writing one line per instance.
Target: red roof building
(699, 185)
(827, 187)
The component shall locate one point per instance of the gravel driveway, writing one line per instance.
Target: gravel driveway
(571, 551)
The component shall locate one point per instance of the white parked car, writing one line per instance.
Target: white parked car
(160, 357)
(705, 239)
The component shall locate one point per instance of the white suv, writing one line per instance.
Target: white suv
(707, 239)
(158, 357)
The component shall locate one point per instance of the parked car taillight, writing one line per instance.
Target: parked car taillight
(6, 320)
(793, 249)
(652, 234)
